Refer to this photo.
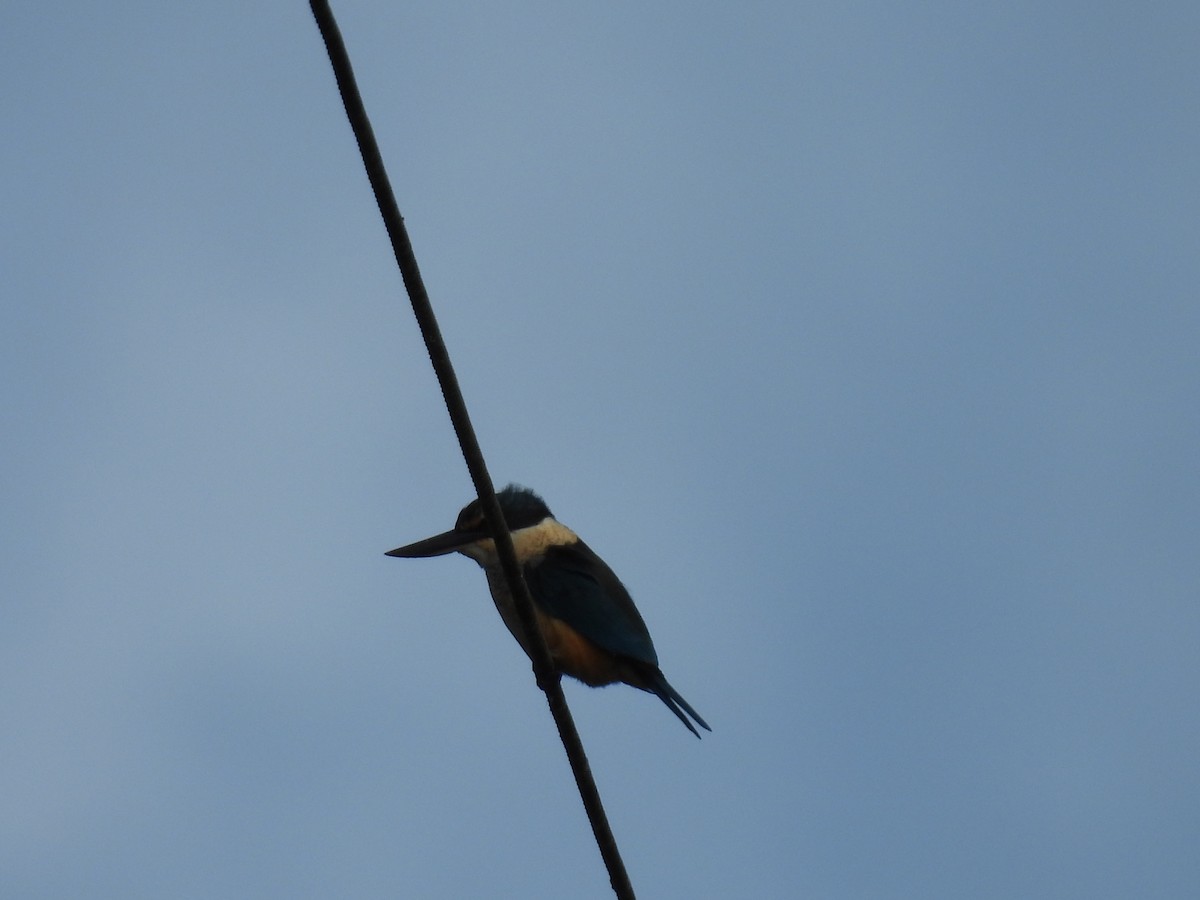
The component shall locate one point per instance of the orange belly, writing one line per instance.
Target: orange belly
(578, 657)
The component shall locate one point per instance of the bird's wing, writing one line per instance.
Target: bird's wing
(575, 585)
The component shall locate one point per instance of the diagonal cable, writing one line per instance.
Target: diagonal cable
(543, 667)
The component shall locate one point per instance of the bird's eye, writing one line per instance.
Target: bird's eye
(470, 520)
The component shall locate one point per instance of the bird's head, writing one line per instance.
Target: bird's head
(522, 508)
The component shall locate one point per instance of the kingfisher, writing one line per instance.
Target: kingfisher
(586, 617)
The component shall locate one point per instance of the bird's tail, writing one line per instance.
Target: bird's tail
(658, 685)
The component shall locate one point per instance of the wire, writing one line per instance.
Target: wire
(548, 678)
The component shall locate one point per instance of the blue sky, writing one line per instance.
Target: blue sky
(860, 339)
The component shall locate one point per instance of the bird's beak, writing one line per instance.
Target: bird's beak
(438, 545)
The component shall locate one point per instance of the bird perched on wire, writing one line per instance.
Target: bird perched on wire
(587, 618)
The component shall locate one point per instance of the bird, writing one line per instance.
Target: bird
(590, 624)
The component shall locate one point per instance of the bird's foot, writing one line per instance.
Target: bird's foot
(546, 679)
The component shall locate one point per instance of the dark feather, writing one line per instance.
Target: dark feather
(574, 584)
(663, 690)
